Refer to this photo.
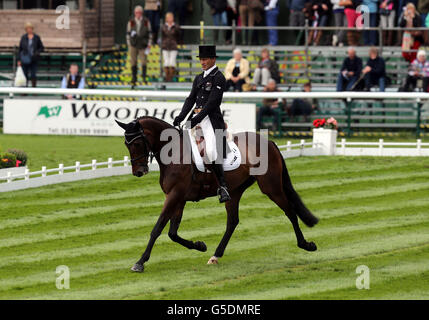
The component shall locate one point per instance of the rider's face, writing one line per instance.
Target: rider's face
(207, 63)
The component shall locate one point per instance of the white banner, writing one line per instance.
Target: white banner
(77, 117)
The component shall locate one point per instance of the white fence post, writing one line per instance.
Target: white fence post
(109, 163)
(61, 169)
(9, 177)
(77, 166)
(380, 146)
(27, 174)
(289, 148)
(343, 146)
(43, 172)
(419, 147)
(125, 161)
(94, 164)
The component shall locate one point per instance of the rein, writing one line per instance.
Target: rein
(140, 135)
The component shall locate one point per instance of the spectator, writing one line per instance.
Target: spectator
(152, 11)
(170, 39)
(232, 15)
(249, 14)
(30, 48)
(73, 80)
(350, 71)
(302, 107)
(321, 10)
(180, 8)
(370, 36)
(271, 13)
(411, 40)
(297, 17)
(351, 15)
(339, 37)
(270, 107)
(237, 71)
(139, 40)
(419, 70)
(267, 69)
(387, 20)
(218, 12)
(374, 71)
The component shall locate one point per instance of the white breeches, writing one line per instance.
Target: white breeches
(169, 58)
(209, 139)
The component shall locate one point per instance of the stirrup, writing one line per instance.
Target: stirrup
(223, 194)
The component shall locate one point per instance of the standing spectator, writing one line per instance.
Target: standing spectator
(180, 8)
(267, 69)
(271, 12)
(170, 39)
(270, 107)
(152, 11)
(237, 71)
(387, 20)
(419, 70)
(350, 71)
(297, 17)
(139, 40)
(302, 107)
(73, 80)
(370, 36)
(411, 40)
(352, 15)
(374, 71)
(339, 38)
(30, 48)
(248, 10)
(232, 15)
(218, 12)
(321, 10)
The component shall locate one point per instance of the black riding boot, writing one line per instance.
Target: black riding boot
(222, 191)
(134, 76)
(144, 71)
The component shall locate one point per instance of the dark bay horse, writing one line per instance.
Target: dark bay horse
(183, 182)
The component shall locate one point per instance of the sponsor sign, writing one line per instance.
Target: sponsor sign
(77, 117)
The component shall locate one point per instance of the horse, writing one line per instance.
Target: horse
(182, 183)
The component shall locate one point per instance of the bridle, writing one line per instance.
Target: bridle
(133, 136)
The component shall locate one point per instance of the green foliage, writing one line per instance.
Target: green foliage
(7, 160)
(20, 155)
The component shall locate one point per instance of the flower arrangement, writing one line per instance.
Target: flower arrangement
(7, 160)
(331, 123)
(21, 157)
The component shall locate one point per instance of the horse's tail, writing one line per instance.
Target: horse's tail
(294, 199)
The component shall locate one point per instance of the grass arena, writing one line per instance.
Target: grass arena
(373, 211)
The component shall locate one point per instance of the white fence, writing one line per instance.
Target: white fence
(26, 180)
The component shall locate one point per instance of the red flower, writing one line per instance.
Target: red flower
(322, 122)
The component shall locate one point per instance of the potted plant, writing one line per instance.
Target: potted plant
(13, 161)
(325, 135)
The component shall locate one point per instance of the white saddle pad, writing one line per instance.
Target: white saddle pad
(231, 162)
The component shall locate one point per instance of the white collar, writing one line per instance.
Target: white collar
(207, 72)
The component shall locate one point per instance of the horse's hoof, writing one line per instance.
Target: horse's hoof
(308, 246)
(200, 246)
(137, 267)
(213, 260)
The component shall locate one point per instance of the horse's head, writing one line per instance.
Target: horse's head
(138, 145)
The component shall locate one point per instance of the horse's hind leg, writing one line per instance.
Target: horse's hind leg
(174, 226)
(273, 189)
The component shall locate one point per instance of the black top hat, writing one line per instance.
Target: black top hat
(207, 52)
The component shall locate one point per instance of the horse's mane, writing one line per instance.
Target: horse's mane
(165, 124)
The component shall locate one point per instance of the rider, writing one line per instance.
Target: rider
(207, 92)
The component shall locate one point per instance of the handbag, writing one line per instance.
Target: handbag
(20, 79)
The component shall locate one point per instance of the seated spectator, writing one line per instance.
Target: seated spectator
(267, 69)
(270, 107)
(411, 40)
(350, 71)
(170, 39)
(73, 80)
(302, 107)
(237, 71)
(375, 71)
(419, 70)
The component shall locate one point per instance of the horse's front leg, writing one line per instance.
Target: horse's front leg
(174, 226)
(170, 206)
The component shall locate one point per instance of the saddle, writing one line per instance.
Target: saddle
(231, 162)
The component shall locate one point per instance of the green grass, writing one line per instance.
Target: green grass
(373, 211)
